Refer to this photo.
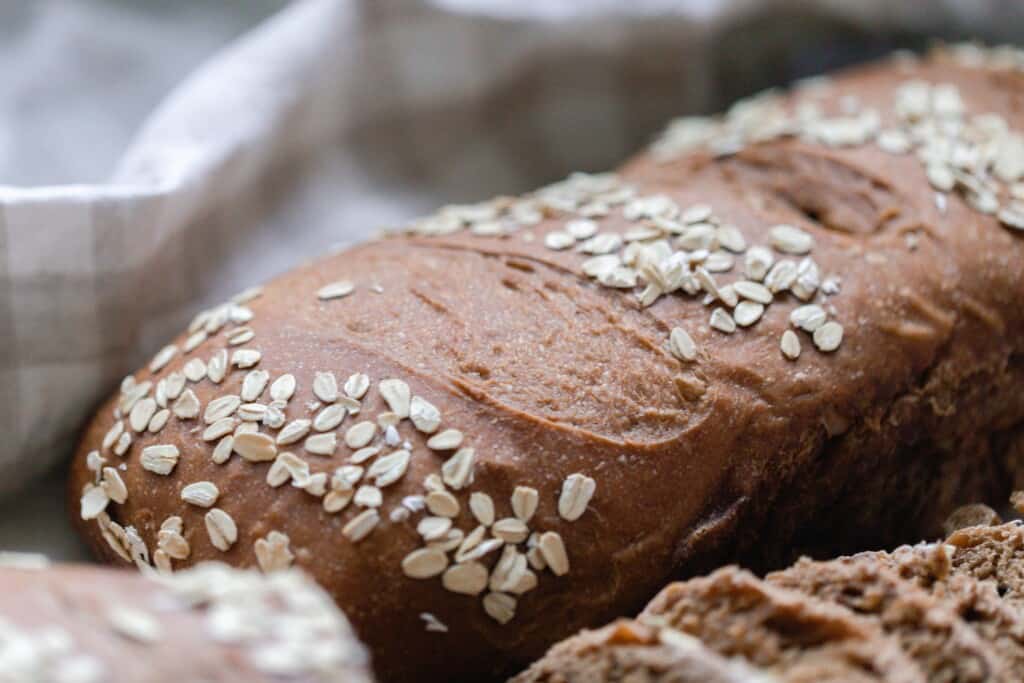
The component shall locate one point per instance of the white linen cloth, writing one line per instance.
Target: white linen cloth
(331, 120)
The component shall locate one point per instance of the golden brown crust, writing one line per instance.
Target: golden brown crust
(741, 453)
(84, 624)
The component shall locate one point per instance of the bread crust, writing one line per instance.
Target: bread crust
(743, 453)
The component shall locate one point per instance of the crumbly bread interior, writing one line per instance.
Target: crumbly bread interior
(940, 612)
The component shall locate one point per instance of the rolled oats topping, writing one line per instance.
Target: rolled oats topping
(360, 434)
(388, 469)
(223, 450)
(134, 624)
(500, 607)
(434, 528)
(245, 358)
(808, 318)
(446, 440)
(552, 548)
(325, 387)
(255, 446)
(329, 418)
(335, 290)
(467, 578)
(722, 321)
(219, 429)
(273, 553)
(221, 407)
(524, 502)
(93, 502)
(457, 471)
(442, 504)
(283, 387)
(424, 415)
(482, 507)
(747, 313)
(357, 385)
(368, 497)
(424, 563)
(511, 530)
(293, 432)
(397, 395)
(321, 444)
(791, 240)
(160, 459)
(187, 406)
(253, 384)
(201, 494)
(162, 358)
(158, 421)
(195, 370)
(682, 345)
(828, 336)
(360, 526)
(221, 529)
(577, 490)
(114, 485)
(790, 345)
(142, 412)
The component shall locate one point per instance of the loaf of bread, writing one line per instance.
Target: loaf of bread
(210, 624)
(946, 609)
(796, 327)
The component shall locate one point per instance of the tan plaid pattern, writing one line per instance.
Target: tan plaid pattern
(334, 119)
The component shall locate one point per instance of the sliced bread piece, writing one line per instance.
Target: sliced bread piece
(929, 629)
(627, 650)
(798, 638)
(992, 553)
(977, 600)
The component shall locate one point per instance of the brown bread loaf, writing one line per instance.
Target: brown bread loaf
(994, 554)
(798, 326)
(77, 624)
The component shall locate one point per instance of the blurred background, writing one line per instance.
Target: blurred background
(400, 106)
(78, 77)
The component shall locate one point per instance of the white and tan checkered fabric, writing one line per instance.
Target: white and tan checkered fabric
(339, 117)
